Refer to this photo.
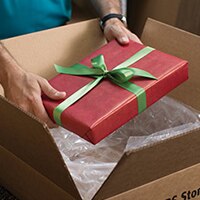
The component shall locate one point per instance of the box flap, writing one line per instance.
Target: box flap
(66, 45)
(184, 45)
(30, 140)
(151, 163)
(179, 185)
(21, 133)
(25, 182)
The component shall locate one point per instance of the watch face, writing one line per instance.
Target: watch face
(123, 19)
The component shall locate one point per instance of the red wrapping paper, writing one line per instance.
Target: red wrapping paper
(108, 106)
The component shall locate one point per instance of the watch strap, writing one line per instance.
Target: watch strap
(103, 20)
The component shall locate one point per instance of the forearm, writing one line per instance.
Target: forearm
(104, 7)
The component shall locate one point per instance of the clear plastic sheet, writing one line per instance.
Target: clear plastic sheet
(90, 165)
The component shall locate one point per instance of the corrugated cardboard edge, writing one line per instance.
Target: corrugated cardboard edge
(21, 133)
(170, 156)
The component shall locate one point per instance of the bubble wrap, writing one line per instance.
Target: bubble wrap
(90, 165)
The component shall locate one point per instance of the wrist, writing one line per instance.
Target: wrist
(10, 74)
(8, 66)
(112, 18)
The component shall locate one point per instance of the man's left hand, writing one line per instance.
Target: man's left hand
(115, 29)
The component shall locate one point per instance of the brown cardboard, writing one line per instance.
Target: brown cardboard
(174, 185)
(74, 43)
(25, 182)
(29, 140)
(163, 159)
(184, 45)
(32, 166)
(13, 138)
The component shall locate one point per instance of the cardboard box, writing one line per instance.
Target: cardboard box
(31, 166)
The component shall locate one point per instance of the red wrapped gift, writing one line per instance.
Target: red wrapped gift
(110, 104)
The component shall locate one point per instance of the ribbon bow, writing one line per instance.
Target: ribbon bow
(120, 75)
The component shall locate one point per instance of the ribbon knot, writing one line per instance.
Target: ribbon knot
(99, 69)
(120, 75)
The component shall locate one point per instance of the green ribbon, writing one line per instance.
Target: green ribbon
(120, 75)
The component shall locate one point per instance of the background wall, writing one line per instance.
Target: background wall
(189, 16)
(184, 14)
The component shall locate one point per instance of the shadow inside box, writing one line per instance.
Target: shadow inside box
(6, 195)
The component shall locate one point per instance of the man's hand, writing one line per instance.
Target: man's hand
(24, 88)
(115, 29)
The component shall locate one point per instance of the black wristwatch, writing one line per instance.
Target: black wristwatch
(103, 20)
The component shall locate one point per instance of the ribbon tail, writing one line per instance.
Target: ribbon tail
(142, 73)
(72, 99)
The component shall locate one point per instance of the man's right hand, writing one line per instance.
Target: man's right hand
(24, 88)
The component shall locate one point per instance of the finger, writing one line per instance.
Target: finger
(50, 91)
(41, 113)
(134, 38)
(122, 37)
(116, 32)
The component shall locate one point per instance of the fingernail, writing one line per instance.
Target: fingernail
(57, 93)
(124, 40)
(60, 94)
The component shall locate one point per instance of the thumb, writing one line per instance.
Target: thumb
(50, 91)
